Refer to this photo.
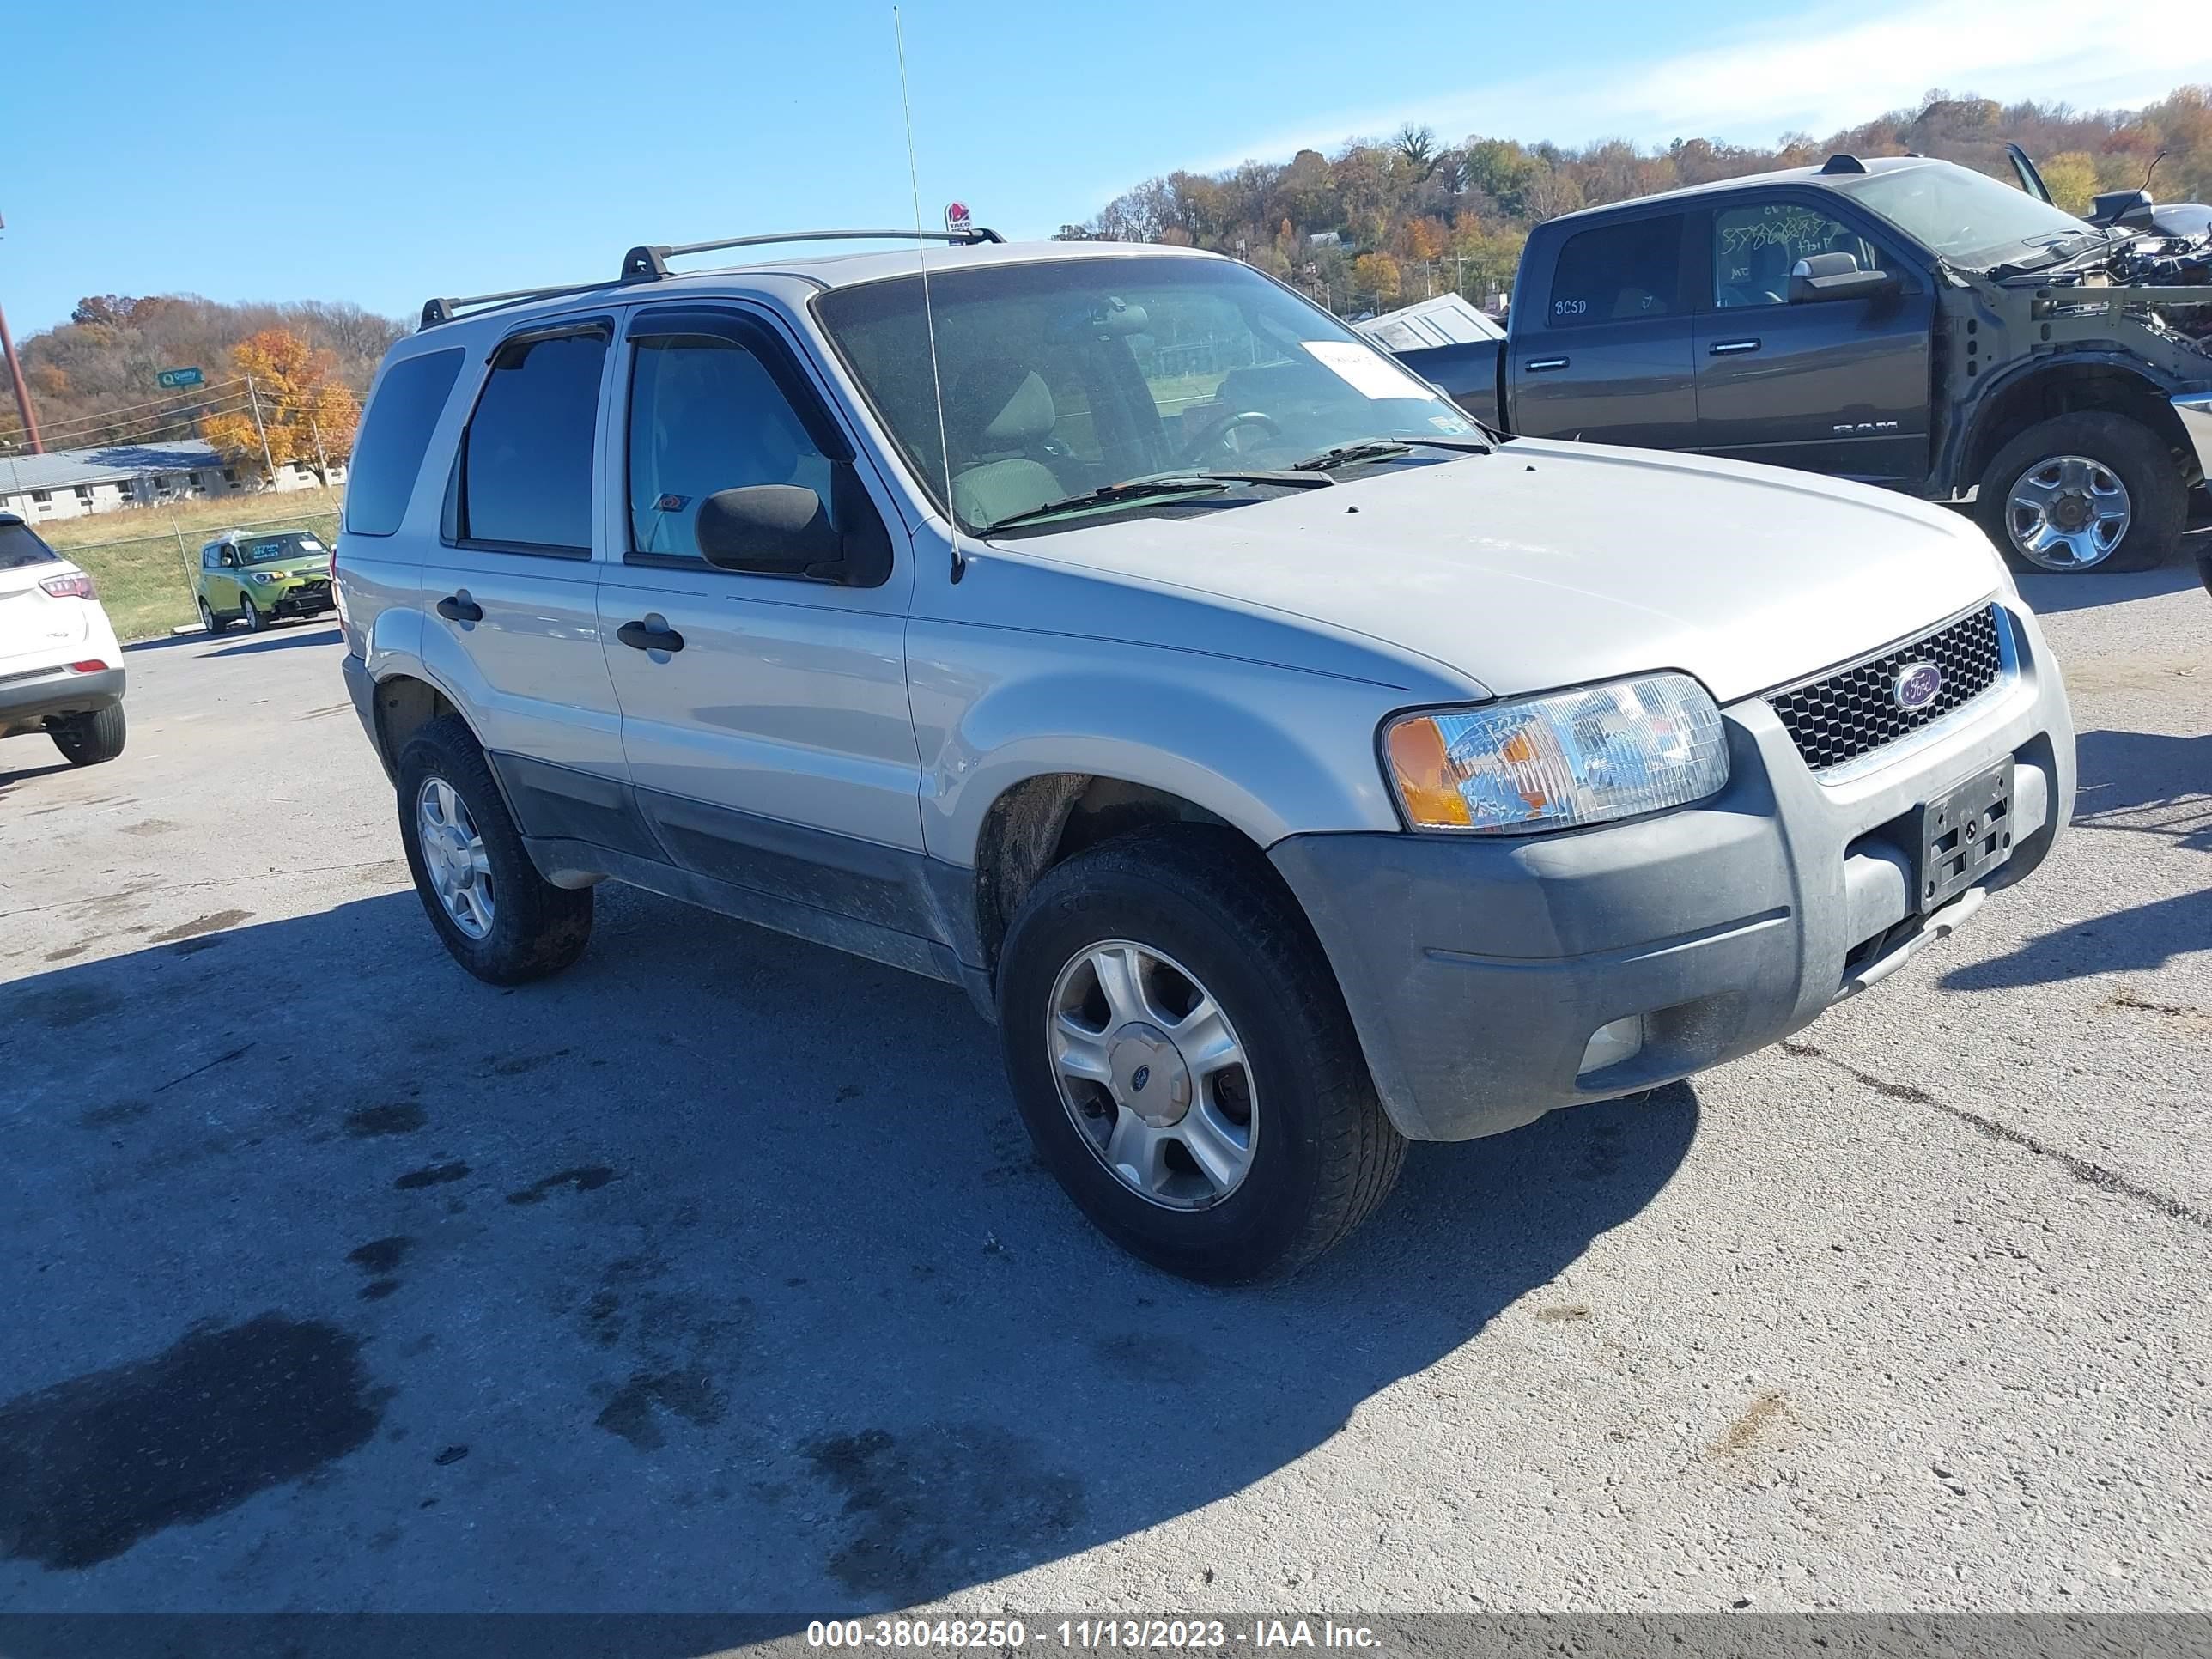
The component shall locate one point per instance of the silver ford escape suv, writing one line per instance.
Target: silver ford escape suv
(1289, 767)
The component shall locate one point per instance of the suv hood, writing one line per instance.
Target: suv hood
(1546, 564)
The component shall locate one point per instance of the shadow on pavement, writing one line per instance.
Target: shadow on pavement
(311, 634)
(2047, 595)
(715, 1274)
(16, 766)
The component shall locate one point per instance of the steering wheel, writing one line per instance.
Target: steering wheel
(1214, 441)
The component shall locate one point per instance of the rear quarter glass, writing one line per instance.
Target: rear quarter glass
(394, 435)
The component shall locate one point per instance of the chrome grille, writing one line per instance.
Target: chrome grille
(1854, 711)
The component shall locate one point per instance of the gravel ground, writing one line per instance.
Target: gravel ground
(716, 1275)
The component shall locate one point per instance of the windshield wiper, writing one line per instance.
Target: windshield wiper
(1133, 489)
(1381, 449)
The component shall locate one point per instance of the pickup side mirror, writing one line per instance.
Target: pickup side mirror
(1836, 277)
(2130, 208)
(785, 529)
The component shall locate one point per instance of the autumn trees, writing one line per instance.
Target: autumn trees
(296, 411)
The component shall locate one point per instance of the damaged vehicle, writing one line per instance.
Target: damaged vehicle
(1897, 320)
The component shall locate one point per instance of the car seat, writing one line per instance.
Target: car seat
(998, 413)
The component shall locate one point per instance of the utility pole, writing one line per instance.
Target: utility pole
(325, 475)
(15, 375)
(253, 399)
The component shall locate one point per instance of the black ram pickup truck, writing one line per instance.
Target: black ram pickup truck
(1897, 320)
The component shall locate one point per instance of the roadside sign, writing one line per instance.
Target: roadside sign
(173, 378)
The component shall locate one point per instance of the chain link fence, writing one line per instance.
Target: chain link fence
(146, 582)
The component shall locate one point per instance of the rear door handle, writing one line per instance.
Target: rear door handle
(1538, 365)
(1729, 348)
(639, 637)
(458, 607)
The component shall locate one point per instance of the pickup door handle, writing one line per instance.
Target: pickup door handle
(1538, 365)
(638, 637)
(1729, 348)
(455, 607)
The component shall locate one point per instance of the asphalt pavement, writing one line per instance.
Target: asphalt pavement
(716, 1275)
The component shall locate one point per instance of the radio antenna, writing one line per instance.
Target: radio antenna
(928, 311)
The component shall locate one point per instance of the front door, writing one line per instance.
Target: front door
(1832, 385)
(514, 585)
(765, 717)
(1603, 352)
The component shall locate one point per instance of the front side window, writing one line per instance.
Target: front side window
(1063, 377)
(705, 416)
(527, 456)
(1618, 273)
(1756, 244)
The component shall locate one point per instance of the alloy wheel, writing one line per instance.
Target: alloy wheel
(454, 857)
(2068, 513)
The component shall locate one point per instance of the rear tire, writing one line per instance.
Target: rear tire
(2128, 468)
(531, 927)
(208, 620)
(1319, 1153)
(89, 739)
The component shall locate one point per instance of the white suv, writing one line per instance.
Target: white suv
(61, 672)
(1289, 767)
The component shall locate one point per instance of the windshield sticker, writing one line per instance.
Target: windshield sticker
(1365, 371)
(1451, 424)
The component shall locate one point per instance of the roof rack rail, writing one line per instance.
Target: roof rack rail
(436, 312)
(649, 264)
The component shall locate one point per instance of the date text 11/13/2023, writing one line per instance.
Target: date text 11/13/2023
(1145, 1635)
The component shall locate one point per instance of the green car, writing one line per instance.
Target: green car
(257, 578)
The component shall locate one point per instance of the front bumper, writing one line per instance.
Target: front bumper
(304, 601)
(1477, 969)
(28, 701)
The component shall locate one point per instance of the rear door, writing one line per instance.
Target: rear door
(1833, 386)
(1601, 350)
(36, 629)
(773, 748)
(512, 587)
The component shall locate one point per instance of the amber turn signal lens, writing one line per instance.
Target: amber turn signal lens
(1423, 775)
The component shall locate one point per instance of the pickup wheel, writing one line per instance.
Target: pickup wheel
(2086, 491)
(500, 919)
(1183, 1060)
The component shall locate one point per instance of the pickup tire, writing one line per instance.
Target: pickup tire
(2065, 475)
(1204, 928)
(519, 926)
(89, 739)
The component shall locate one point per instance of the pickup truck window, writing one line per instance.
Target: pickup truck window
(705, 416)
(1609, 273)
(1755, 243)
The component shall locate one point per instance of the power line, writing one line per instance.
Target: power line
(145, 426)
(209, 389)
(169, 405)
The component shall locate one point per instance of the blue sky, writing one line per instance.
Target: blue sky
(382, 153)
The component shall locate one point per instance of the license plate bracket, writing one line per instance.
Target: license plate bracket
(1963, 835)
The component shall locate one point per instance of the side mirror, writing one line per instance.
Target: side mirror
(1836, 277)
(785, 529)
(2130, 208)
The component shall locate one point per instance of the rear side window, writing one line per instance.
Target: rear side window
(19, 545)
(526, 457)
(394, 433)
(1619, 272)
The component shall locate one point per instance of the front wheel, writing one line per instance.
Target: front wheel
(500, 919)
(2086, 491)
(255, 622)
(89, 739)
(1183, 1060)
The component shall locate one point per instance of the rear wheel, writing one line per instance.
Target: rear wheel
(1183, 1059)
(2086, 491)
(208, 620)
(89, 739)
(500, 919)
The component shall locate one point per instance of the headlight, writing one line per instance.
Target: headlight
(1549, 762)
(262, 576)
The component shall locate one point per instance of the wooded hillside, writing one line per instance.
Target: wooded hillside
(1412, 215)
(91, 379)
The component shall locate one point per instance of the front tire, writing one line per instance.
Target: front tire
(89, 739)
(500, 919)
(255, 622)
(1170, 970)
(2086, 491)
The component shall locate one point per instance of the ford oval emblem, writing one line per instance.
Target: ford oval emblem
(1916, 684)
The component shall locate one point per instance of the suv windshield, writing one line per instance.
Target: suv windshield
(269, 548)
(19, 545)
(1066, 378)
(1966, 216)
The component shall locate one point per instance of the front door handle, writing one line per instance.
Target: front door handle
(1729, 348)
(1538, 365)
(458, 607)
(639, 637)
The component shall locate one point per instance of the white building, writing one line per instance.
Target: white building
(68, 483)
